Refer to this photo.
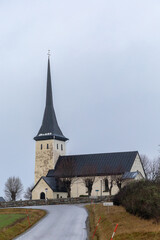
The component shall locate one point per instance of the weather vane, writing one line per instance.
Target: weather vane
(49, 53)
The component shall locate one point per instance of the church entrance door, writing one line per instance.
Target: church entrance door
(42, 195)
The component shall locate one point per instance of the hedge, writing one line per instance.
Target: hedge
(141, 198)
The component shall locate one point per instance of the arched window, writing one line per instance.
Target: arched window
(42, 195)
(106, 185)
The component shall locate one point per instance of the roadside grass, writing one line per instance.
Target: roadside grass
(14, 221)
(8, 219)
(130, 227)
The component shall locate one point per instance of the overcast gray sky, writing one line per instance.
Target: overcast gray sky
(105, 67)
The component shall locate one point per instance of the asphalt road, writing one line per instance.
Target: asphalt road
(63, 222)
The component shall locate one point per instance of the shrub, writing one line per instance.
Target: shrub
(141, 198)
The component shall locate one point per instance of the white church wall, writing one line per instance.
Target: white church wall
(78, 188)
(139, 177)
(41, 186)
(137, 166)
(59, 195)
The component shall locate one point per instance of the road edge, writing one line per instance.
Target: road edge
(20, 235)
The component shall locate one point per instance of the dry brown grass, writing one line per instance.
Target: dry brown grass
(129, 227)
(21, 225)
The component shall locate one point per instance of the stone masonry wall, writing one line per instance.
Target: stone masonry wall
(46, 158)
(53, 202)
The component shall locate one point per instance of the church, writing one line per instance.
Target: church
(58, 175)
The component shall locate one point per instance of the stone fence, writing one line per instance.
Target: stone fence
(80, 200)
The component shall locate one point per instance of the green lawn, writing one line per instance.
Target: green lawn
(14, 221)
(9, 219)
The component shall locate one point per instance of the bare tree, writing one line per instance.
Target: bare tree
(28, 193)
(113, 180)
(88, 181)
(119, 181)
(151, 168)
(13, 188)
(114, 177)
(155, 170)
(66, 174)
(88, 177)
(111, 183)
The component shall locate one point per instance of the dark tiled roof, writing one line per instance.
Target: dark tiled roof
(94, 164)
(2, 199)
(49, 128)
(50, 173)
(55, 184)
(51, 181)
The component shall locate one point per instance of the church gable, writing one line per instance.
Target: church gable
(47, 187)
(39, 190)
(137, 166)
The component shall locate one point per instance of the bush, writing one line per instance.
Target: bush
(141, 198)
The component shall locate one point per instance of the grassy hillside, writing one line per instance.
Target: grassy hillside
(141, 198)
(130, 227)
(15, 221)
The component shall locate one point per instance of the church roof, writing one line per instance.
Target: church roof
(49, 128)
(94, 164)
(52, 183)
(131, 175)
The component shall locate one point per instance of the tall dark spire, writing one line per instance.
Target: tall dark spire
(49, 128)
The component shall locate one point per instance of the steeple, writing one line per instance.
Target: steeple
(49, 128)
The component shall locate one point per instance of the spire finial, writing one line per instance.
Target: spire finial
(49, 53)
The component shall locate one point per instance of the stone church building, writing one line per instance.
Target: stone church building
(58, 175)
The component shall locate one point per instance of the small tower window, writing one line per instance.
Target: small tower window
(47, 146)
(41, 146)
(61, 147)
(57, 146)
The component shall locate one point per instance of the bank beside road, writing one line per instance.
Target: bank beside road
(14, 221)
(129, 226)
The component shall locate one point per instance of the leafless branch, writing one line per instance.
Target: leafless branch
(13, 188)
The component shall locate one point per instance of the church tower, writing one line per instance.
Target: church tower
(50, 141)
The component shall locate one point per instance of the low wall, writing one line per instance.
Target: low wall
(53, 202)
